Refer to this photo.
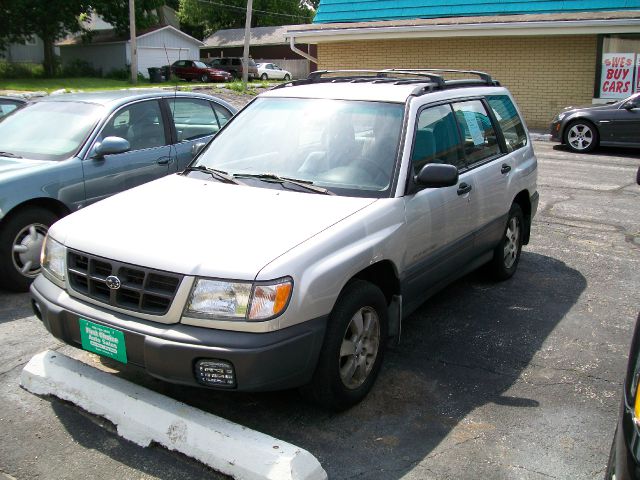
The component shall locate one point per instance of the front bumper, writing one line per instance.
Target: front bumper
(556, 131)
(262, 361)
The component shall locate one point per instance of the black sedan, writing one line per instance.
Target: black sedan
(583, 129)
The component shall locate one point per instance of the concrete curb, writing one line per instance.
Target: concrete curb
(143, 416)
(541, 137)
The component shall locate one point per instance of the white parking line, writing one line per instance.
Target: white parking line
(143, 416)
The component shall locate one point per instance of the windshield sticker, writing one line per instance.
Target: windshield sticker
(474, 128)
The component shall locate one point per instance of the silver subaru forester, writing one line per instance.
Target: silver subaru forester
(290, 250)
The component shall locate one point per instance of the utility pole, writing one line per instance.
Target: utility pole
(247, 36)
(132, 34)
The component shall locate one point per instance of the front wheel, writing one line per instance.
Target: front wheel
(506, 255)
(353, 348)
(21, 239)
(581, 136)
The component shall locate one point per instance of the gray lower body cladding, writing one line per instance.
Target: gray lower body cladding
(262, 361)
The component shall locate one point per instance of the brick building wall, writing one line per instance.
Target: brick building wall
(544, 74)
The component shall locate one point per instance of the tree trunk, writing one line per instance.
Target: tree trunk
(49, 57)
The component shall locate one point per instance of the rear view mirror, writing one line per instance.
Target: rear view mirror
(436, 175)
(111, 146)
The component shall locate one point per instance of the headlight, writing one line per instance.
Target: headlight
(54, 258)
(219, 299)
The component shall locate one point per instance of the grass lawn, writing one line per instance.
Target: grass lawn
(83, 83)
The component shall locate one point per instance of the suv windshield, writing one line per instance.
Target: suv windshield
(348, 147)
(48, 130)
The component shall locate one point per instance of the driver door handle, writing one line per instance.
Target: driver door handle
(164, 160)
(464, 188)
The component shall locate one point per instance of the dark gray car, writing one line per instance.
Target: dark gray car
(61, 153)
(583, 129)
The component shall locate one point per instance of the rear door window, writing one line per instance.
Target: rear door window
(478, 135)
(193, 118)
(505, 112)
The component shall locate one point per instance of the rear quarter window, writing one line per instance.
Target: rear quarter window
(512, 128)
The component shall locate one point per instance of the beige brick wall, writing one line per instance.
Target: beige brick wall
(543, 73)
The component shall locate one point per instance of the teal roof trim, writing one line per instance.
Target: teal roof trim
(338, 11)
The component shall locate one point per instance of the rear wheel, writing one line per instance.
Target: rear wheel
(21, 239)
(507, 254)
(263, 76)
(204, 78)
(353, 348)
(581, 136)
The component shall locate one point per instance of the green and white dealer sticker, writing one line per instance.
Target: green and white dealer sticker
(103, 340)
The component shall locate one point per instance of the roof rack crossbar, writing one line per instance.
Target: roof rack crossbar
(485, 77)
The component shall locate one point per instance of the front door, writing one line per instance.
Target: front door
(149, 157)
(439, 224)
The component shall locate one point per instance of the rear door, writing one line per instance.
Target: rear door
(142, 124)
(195, 120)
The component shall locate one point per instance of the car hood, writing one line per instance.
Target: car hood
(201, 227)
(590, 107)
(10, 166)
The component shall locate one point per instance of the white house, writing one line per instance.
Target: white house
(107, 50)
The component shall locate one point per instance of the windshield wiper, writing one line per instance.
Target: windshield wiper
(215, 173)
(272, 177)
(9, 154)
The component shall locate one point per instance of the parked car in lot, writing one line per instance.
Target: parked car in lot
(235, 66)
(9, 104)
(615, 125)
(194, 70)
(324, 213)
(61, 153)
(273, 71)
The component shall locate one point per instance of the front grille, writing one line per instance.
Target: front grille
(141, 289)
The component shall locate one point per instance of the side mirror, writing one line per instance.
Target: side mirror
(197, 148)
(111, 146)
(436, 175)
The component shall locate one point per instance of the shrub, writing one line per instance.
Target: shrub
(79, 68)
(20, 70)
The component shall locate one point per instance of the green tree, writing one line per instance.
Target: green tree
(51, 20)
(212, 15)
(116, 12)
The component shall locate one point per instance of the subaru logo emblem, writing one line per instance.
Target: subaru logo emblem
(113, 282)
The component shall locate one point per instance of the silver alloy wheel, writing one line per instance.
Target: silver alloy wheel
(512, 242)
(359, 347)
(580, 136)
(26, 249)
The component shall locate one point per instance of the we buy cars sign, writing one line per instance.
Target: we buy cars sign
(617, 75)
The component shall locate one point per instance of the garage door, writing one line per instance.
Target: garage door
(157, 57)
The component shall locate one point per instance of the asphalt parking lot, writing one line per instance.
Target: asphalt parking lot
(514, 380)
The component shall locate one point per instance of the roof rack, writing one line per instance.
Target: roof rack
(426, 79)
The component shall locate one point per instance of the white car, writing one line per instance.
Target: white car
(271, 70)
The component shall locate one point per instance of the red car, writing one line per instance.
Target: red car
(190, 69)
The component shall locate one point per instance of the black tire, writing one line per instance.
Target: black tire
(506, 255)
(581, 136)
(188, 79)
(328, 387)
(16, 230)
(204, 78)
(611, 463)
(264, 76)
(287, 77)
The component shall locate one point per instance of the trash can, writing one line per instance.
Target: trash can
(166, 72)
(155, 76)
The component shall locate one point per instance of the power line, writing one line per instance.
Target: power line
(264, 12)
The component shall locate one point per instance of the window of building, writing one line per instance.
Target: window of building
(619, 72)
